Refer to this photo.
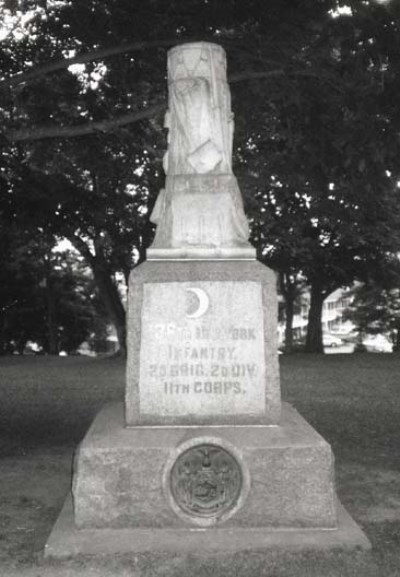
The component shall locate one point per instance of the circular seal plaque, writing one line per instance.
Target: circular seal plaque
(206, 481)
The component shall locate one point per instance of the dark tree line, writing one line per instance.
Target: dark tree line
(316, 145)
(47, 297)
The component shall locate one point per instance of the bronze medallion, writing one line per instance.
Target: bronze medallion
(206, 481)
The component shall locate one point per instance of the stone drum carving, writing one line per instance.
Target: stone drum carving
(201, 206)
(199, 117)
(206, 481)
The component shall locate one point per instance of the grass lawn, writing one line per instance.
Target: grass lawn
(47, 404)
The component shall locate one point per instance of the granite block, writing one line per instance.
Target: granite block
(202, 344)
(66, 540)
(122, 474)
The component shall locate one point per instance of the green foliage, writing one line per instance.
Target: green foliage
(317, 124)
(46, 297)
(375, 309)
(319, 157)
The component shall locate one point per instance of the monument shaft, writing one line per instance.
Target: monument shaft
(200, 211)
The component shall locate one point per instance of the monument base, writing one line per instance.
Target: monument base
(123, 500)
(67, 541)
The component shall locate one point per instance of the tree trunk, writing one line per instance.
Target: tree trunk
(52, 330)
(107, 287)
(112, 300)
(20, 345)
(396, 344)
(3, 332)
(290, 290)
(289, 310)
(314, 343)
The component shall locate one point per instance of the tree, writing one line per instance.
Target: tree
(94, 190)
(375, 309)
(323, 161)
(291, 287)
(47, 297)
(94, 198)
(315, 102)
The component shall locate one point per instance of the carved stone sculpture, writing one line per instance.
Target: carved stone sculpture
(201, 206)
(199, 118)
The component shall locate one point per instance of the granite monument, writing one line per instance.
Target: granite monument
(203, 455)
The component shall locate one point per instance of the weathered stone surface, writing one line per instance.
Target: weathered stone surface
(199, 116)
(193, 359)
(202, 344)
(122, 475)
(201, 205)
(200, 211)
(66, 540)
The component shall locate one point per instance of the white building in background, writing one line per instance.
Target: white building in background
(333, 311)
(332, 315)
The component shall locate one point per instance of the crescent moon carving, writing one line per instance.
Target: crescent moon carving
(203, 304)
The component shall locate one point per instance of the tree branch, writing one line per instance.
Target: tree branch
(253, 75)
(109, 125)
(39, 71)
(41, 133)
(82, 248)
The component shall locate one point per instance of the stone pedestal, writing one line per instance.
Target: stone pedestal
(123, 475)
(202, 344)
(124, 500)
(202, 443)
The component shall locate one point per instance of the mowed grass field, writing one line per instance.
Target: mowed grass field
(47, 404)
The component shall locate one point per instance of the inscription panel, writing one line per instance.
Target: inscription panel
(202, 349)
